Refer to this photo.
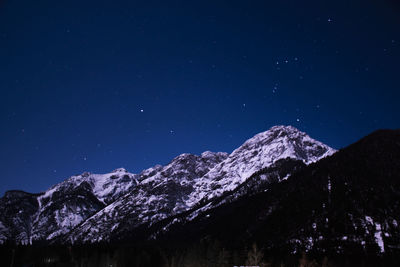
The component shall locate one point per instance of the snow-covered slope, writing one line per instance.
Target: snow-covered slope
(67, 204)
(93, 207)
(162, 192)
(259, 152)
(186, 181)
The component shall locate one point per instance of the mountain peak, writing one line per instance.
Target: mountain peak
(284, 128)
(286, 142)
(275, 132)
(120, 170)
(258, 152)
(18, 194)
(210, 154)
(204, 155)
(183, 156)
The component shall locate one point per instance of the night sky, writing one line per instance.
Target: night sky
(97, 85)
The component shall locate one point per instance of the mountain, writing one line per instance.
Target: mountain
(172, 190)
(260, 181)
(259, 152)
(100, 207)
(162, 192)
(348, 204)
(68, 203)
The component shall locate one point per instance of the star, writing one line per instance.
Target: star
(84, 158)
(329, 20)
(171, 131)
(298, 120)
(141, 110)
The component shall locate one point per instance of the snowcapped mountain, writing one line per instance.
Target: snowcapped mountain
(186, 181)
(162, 192)
(277, 152)
(95, 207)
(67, 204)
(44, 216)
(259, 152)
(346, 204)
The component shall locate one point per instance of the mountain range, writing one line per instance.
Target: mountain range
(280, 189)
(89, 208)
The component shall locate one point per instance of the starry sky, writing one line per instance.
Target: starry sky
(97, 85)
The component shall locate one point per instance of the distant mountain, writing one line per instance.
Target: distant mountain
(348, 203)
(94, 207)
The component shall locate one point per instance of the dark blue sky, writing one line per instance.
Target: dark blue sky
(96, 85)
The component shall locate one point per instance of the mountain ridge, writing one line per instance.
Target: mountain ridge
(345, 204)
(88, 207)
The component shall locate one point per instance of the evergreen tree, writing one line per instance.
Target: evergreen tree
(255, 256)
